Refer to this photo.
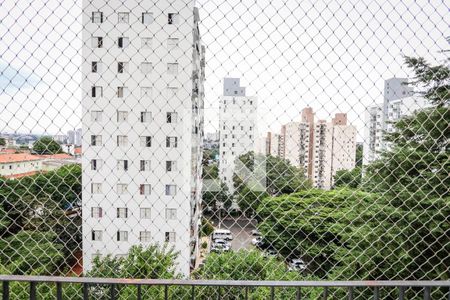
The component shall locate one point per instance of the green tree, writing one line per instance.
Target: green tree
(277, 174)
(2, 142)
(152, 262)
(348, 178)
(245, 265)
(46, 145)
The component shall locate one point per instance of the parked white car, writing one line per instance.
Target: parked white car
(297, 264)
(223, 234)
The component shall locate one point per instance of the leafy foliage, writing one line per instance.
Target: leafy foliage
(280, 178)
(46, 145)
(245, 265)
(348, 178)
(2, 142)
(33, 214)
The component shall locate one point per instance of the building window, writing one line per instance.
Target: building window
(97, 91)
(122, 140)
(146, 92)
(96, 67)
(171, 166)
(145, 212)
(122, 188)
(122, 212)
(171, 213)
(96, 164)
(122, 91)
(122, 236)
(146, 67)
(147, 18)
(172, 92)
(122, 116)
(122, 165)
(123, 42)
(96, 140)
(96, 188)
(172, 43)
(96, 115)
(172, 68)
(97, 42)
(171, 189)
(173, 18)
(97, 17)
(146, 43)
(171, 117)
(146, 116)
(144, 236)
(96, 212)
(122, 67)
(145, 189)
(171, 142)
(146, 141)
(124, 17)
(170, 237)
(97, 235)
(144, 165)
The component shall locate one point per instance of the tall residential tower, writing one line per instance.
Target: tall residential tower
(237, 127)
(143, 73)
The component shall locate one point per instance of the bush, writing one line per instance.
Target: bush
(207, 227)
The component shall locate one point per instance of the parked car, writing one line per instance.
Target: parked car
(219, 248)
(255, 232)
(256, 240)
(221, 242)
(270, 252)
(223, 234)
(297, 264)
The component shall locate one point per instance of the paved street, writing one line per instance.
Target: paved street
(241, 230)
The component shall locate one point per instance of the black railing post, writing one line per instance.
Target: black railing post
(5, 290)
(427, 293)
(325, 293)
(218, 293)
(166, 292)
(298, 296)
(58, 291)
(193, 292)
(85, 291)
(401, 293)
(113, 292)
(376, 293)
(272, 292)
(32, 290)
(139, 292)
(350, 293)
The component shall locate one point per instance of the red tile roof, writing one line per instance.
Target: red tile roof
(57, 156)
(78, 150)
(17, 176)
(18, 157)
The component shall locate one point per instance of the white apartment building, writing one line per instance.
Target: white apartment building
(379, 118)
(143, 73)
(237, 123)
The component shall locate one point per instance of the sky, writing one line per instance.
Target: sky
(331, 55)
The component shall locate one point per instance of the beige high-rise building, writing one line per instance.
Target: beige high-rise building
(320, 148)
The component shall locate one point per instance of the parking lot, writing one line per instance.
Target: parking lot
(240, 229)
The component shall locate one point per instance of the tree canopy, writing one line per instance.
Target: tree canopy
(46, 145)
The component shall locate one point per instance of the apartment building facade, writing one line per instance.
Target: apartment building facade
(320, 148)
(399, 101)
(237, 127)
(143, 73)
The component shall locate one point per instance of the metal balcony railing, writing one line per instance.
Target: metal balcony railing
(112, 284)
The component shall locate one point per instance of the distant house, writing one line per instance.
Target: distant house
(17, 165)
